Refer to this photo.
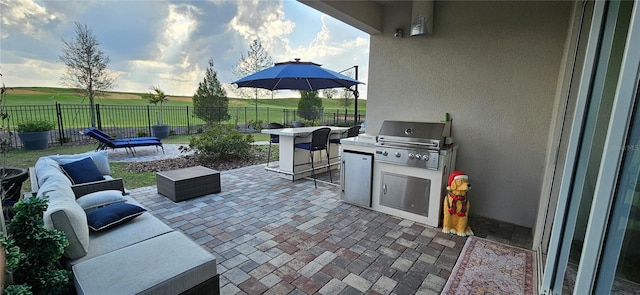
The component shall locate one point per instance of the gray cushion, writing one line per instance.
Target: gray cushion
(47, 168)
(98, 199)
(144, 227)
(64, 213)
(100, 158)
(167, 264)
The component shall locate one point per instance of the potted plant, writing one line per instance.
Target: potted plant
(11, 178)
(33, 252)
(34, 134)
(156, 97)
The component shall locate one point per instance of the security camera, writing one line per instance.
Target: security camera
(398, 33)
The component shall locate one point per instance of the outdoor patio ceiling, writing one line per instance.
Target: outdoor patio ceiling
(364, 15)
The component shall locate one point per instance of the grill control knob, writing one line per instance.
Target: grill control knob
(398, 154)
(385, 153)
(411, 156)
(418, 156)
(425, 157)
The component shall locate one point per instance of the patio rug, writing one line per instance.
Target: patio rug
(486, 267)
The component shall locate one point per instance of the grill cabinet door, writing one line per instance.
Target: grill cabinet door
(406, 193)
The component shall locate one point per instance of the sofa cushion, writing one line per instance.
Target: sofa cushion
(100, 158)
(112, 215)
(167, 264)
(49, 169)
(99, 199)
(143, 227)
(64, 213)
(82, 171)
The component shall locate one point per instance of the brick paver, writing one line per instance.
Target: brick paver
(274, 236)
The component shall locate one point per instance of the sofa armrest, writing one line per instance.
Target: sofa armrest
(33, 179)
(90, 187)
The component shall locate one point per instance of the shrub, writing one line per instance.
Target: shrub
(220, 142)
(33, 251)
(35, 126)
(256, 125)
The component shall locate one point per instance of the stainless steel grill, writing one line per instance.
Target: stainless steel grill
(415, 144)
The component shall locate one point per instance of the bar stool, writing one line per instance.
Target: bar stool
(319, 141)
(351, 132)
(273, 138)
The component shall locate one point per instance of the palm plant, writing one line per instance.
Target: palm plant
(157, 96)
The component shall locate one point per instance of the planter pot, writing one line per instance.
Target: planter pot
(160, 131)
(34, 140)
(12, 179)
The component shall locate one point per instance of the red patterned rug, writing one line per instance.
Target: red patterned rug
(486, 267)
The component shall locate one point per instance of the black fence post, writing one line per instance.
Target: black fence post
(60, 123)
(149, 119)
(188, 123)
(98, 116)
(284, 117)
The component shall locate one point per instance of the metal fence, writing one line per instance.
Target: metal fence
(133, 121)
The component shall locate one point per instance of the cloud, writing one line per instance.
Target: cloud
(264, 20)
(168, 43)
(27, 17)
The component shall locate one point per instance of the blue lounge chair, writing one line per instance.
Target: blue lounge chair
(129, 144)
(102, 133)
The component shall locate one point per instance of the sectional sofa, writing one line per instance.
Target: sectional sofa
(115, 246)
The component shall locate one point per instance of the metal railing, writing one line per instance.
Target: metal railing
(132, 121)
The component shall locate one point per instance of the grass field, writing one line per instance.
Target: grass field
(46, 96)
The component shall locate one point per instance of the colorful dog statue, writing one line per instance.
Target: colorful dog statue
(456, 205)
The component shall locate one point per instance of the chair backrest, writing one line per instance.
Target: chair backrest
(319, 138)
(98, 136)
(297, 124)
(353, 131)
(275, 126)
(98, 132)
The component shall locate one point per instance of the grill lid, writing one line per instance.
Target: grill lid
(428, 134)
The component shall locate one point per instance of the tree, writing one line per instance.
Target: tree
(257, 59)
(86, 66)
(347, 98)
(210, 102)
(329, 93)
(310, 105)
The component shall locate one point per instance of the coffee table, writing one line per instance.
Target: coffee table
(187, 183)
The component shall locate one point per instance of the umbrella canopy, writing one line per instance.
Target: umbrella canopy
(296, 75)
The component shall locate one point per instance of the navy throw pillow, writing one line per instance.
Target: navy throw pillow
(112, 215)
(82, 171)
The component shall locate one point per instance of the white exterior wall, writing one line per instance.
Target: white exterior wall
(494, 67)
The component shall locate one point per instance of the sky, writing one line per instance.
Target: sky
(168, 43)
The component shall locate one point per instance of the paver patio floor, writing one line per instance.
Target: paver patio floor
(274, 236)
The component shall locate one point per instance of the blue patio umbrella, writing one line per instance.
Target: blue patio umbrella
(297, 75)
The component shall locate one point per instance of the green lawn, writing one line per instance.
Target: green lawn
(49, 96)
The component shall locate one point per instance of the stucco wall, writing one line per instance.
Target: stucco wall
(494, 67)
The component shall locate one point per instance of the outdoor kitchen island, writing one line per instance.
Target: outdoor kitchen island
(407, 180)
(295, 163)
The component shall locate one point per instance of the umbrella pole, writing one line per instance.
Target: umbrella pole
(356, 94)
